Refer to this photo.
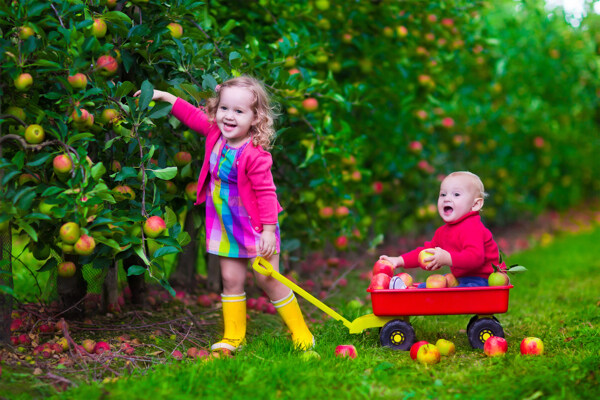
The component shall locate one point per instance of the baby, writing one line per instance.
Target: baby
(463, 243)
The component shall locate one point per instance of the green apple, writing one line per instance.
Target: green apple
(34, 134)
(99, 28)
(175, 29)
(23, 82)
(25, 32)
(69, 232)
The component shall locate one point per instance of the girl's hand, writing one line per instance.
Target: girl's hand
(159, 95)
(268, 243)
(396, 261)
(439, 259)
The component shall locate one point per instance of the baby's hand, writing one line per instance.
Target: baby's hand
(159, 95)
(439, 258)
(268, 244)
(396, 261)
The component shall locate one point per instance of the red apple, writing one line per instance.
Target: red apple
(34, 134)
(175, 29)
(342, 211)
(383, 266)
(425, 253)
(101, 347)
(82, 118)
(66, 269)
(445, 347)
(23, 82)
(326, 212)
(341, 242)
(205, 301)
(406, 277)
(415, 348)
(495, 346)
(154, 226)
(310, 104)
(182, 158)
(345, 350)
(176, 354)
(88, 345)
(107, 65)
(532, 346)
(69, 232)
(380, 281)
(498, 279)
(435, 281)
(85, 245)
(99, 28)
(191, 191)
(77, 81)
(62, 164)
(428, 354)
(451, 280)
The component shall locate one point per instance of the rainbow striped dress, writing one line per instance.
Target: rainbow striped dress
(229, 232)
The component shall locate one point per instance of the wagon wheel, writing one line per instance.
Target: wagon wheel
(482, 329)
(475, 318)
(397, 335)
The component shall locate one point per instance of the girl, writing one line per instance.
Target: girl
(241, 203)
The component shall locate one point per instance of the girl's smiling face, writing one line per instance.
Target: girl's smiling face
(235, 114)
(458, 196)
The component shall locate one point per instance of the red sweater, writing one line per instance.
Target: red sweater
(470, 244)
(255, 181)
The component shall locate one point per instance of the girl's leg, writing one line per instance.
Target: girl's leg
(233, 298)
(285, 302)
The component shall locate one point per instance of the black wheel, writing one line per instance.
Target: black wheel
(475, 318)
(397, 335)
(482, 329)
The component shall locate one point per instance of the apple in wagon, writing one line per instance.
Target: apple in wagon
(380, 281)
(383, 266)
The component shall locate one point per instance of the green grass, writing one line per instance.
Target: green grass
(557, 299)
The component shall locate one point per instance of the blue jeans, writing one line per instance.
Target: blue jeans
(466, 281)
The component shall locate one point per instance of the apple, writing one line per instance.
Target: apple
(310, 104)
(383, 266)
(423, 254)
(322, 5)
(107, 65)
(498, 279)
(17, 112)
(191, 190)
(380, 281)
(23, 82)
(77, 81)
(109, 115)
(205, 301)
(85, 245)
(25, 32)
(451, 280)
(401, 31)
(428, 354)
(532, 346)
(447, 122)
(342, 211)
(175, 29)
(99, 28)
(154, 226)
(111, 3)
(341, 242)
(415, 348)
(345, 350)
(67, 248)
(101, 347)
(310, 355)
(176, 354)
(66, 269)
(445, 347)
(69, 232)
(435, 281)
(62, 164)
(495, 346)
(124, 192)
(415, 146)
(88, 345)
(406, 277)
(326, 212)
(182, 158)
(82, 118)
(34, 134)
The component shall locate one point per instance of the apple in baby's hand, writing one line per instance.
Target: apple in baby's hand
(428, 354)
(406, 277)
(532, 346)
(451, 280)
(380, 281)
(495, 346)
(345, 350)
(435, 281)
(423, 255)
(383, 266)
(445, 347)
(415, 348)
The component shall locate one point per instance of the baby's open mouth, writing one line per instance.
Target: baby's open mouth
(448, 210)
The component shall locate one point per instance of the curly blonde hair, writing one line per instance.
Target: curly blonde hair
(263, 132)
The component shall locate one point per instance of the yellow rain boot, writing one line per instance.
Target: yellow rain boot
(234, 319)
(290, 312)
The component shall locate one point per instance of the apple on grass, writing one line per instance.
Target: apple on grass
(532, 346)
(380, 281)
(445, 347)
(415, 348)
(428, 354)
(383, 266)
(154, 226)
(435, 281)
(423, 255)
(310, 355)
(346, 350)
(101, 347)
(34, 134)
(495, 346)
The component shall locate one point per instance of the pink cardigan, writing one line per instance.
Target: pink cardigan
(470, 244)
(255, 181)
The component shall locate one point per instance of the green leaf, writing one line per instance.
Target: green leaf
(140, 252)
(40, 159)
(28, 229)
(124, 89)
(165, 173)
(170, 217)
(136, 270)
(9, 176)
(98, 170)
(184, 238)
(51, 191)
(232, 23)
(19, 159)
(163, 251)
(38, 216)
(7, 290)
(516, 268)
(161, 110)
(163, 282)
(51, 263)
(146, 95)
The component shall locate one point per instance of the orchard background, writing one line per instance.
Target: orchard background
(378, 100)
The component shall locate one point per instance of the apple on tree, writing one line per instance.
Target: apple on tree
(154, 226)
(23, 82)
(310, 104)
(85, 245)
(25, 32)
(99, 28)
(175, 29)
(182, 158)
(191, 190)
(77, 81)
(107, 65)
(62, 164)
(34, 134)
(69, 232)
(66, 269)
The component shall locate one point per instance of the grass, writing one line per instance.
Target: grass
(557, 300)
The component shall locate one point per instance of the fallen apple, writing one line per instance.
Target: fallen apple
(445, 347)
(532, 346)
(88, 345)
(101, 347)
(345, 350)
(428, 354)
(415, 348)
(310, 355)
(495, 346)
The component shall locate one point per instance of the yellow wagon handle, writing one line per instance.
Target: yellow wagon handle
(264, 267)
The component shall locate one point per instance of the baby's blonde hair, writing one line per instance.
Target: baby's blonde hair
(263, 131)
(475, 180)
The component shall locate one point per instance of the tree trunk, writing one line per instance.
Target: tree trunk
(136, 283)
(184, 276)
(6, 300)
(110, 288)
(72, 291)
(213, 274)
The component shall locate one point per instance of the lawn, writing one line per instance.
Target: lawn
(557, 300)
